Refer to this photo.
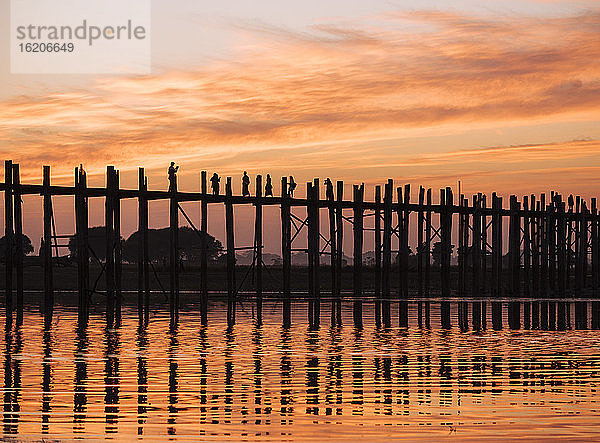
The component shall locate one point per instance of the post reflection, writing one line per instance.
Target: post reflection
(312, 372)
(12, 381)
(203, 350)
(111, 381)
(274, 382)
(173, 383)
(142, 380)
(286, 397)
(333, 379)
(46, 381)
(80, 382)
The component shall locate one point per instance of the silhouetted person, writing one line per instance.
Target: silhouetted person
(269, 187)
(245, 185)
(329, 189)
(173, 177)
(291, 186)
(214, 183)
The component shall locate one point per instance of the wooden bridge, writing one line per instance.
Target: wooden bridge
(552, 243)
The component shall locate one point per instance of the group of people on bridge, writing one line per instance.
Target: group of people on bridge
(215, 183)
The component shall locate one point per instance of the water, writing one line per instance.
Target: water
(272, 383)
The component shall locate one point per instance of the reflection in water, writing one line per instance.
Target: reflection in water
(12, 381)
(173, 384)
(46, 381)
(142, 380)
(79, 388)
(111, 381)
(534, 369)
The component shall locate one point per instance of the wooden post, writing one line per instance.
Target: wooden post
(339, 231)
(258, 246)
(47, 251)
(174, 256)
(317, 250)
(476, 248)
(420, 246)
(231, 285)
(495, 256)
(203, 250)
(514, 245)
(109, 213)
(81, 237)
(543, 239)
(377, 268)
(461, 245)
(583, 246)
(467, 251)
(535, 248)
(313, 252)
(387, 251)
(428, 244)
(446, 230)
(286, 250)
(9, 238)
(595, 245)
(404, 241)
(562, 247)
(18, 240)
(118, 252)
(551, 242)
(332, 249)
(403, 224)
(358, 251)
(310, 207)
(484, 247)
(526, 248)
(143, 249)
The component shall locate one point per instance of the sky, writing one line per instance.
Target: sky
(503, 96)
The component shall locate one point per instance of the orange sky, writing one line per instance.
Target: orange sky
(506, 103)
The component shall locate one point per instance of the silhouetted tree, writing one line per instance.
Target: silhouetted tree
(96, 241)
(437, 252)
(190, 243)
(27, 246)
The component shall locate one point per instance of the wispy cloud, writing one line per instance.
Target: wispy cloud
(314, 89)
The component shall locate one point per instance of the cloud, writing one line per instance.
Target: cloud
(317, 88)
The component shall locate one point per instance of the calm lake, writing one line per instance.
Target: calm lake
(274, 383)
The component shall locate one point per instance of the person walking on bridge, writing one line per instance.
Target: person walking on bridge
(245, 185)
(269, 187)
(173, 177)
(291, 186)
(214, 183)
